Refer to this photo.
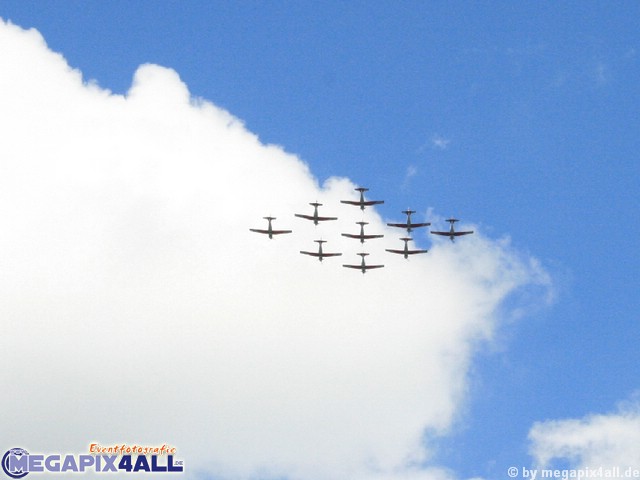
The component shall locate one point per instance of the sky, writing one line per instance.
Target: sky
(140, 144)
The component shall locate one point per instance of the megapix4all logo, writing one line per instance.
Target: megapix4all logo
(18, 462)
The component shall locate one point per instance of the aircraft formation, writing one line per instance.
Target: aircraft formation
(409, 226)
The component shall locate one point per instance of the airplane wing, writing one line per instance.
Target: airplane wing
(350, 202)
(445, 234)
(369, 237)
(407, 252)
(358, 267)
(350, 235)
(368, 267)
(279, 232)
(331, 254)
(325, 218)
(457, 234)
(308, 217)
(313, 254)
(257, 230)
(368, 203)
(408, 225)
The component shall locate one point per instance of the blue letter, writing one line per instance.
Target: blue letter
(141, 464)
(52, 463)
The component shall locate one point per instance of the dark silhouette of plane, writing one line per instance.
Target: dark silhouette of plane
(452, 234)
(361, 236)
(408, 225)
(270, 231)
(405, 251)
(363, 267)
(362, 202)
(320, 254)
(315, 216)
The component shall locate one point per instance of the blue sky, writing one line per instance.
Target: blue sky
(519, 117)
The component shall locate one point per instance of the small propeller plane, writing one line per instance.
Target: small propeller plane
(320, 254)
(270, 231)
(363, 267)
(405, 251)
(315, 216)
(361, 236)
(362, 202)
(452, 234)
(408, 225)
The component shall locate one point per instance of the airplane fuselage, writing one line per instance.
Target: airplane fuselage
(362, 203)
(405, 252)
(320, 254)
(269, 230)
(363, 267)
(408, 225)
(315, 217)
(361, 236)
(452, 234)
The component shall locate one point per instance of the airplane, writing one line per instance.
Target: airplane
(406, 252)
(315, 216)
(362, 203)
(363, 267)
(408, 225)
(270, 231)
(320, 254)
(452, 234)
(361, 236)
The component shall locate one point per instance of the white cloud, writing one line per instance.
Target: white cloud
(411, 172)
(137, 307)
(596, 441)
(440, 142)
(435, 142)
